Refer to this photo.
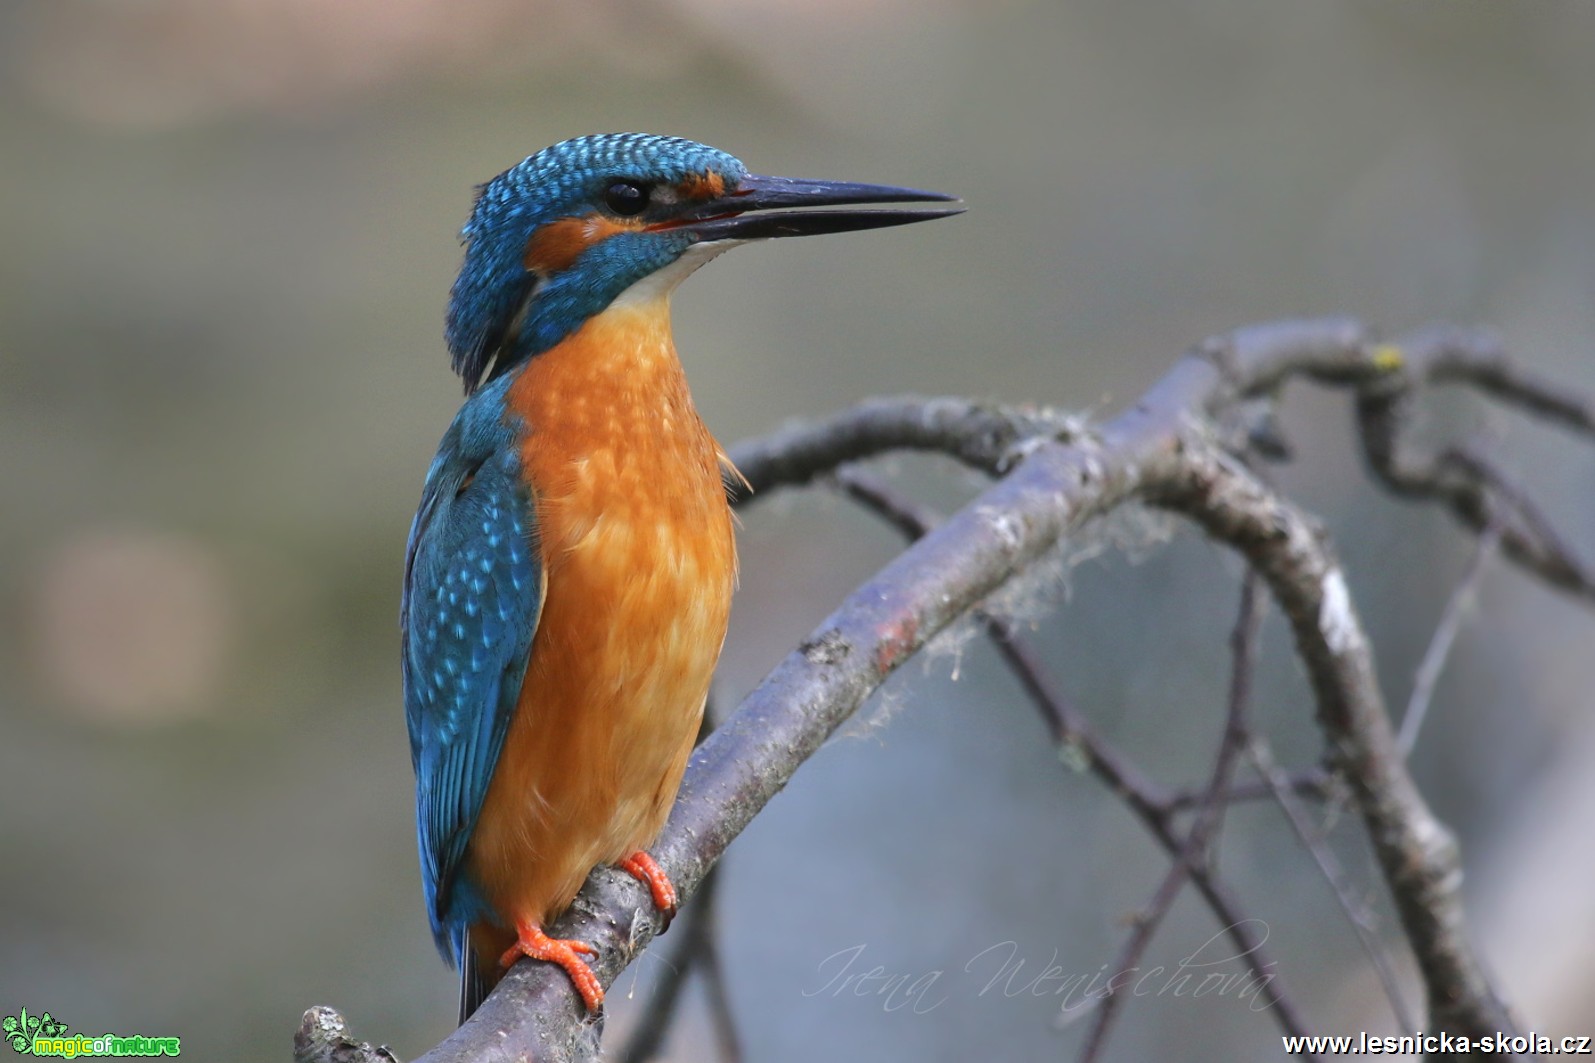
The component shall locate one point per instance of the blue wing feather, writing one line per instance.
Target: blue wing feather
(472, 594)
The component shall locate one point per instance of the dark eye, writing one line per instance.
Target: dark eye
(626, 198)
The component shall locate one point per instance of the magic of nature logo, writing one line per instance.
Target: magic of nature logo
(45, 1035)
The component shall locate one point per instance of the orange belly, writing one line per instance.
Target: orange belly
(640, 561)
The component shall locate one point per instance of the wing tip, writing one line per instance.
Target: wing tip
(473, 987)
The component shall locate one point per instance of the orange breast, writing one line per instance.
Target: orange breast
(640, 560)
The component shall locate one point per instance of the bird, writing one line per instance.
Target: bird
(569, 571)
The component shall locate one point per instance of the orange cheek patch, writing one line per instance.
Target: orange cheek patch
(706, 185)
(556, 246)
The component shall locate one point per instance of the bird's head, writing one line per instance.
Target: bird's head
(557, 238)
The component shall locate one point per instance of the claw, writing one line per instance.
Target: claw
(532, 943)
(641, 866)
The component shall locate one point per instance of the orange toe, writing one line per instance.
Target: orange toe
(642, 867)
(532, 943)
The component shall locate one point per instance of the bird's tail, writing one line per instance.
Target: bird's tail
(474, 986)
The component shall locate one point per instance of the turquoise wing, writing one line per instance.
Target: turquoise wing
(472, 594)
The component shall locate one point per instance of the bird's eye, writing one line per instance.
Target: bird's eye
(626, 198)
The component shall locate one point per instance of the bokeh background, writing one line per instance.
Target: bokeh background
(228, 233)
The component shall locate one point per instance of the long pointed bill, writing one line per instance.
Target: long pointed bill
(731, 217)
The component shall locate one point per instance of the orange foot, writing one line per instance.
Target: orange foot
(641, 866)
(531, 942)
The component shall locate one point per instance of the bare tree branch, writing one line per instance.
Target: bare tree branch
(1072, 734)
(323, 1037)
(1419, 856)
(1468, 483)
(1055, 475)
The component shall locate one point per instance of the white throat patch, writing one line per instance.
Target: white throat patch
(661, 282)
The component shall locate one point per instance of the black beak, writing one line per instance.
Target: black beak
(730, 217)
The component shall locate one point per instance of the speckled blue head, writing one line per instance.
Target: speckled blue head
(502, 305)
(555, 239)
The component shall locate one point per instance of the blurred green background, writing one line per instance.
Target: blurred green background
(229, 231)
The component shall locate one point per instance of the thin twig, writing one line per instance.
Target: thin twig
(1445, 634)
(1361, 916)
(1209, 814)
(1157, 815)
(1474, 357)
(695, 952)
(716, 993)
(1313, 782)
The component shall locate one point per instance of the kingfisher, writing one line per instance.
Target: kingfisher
(569, 572)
